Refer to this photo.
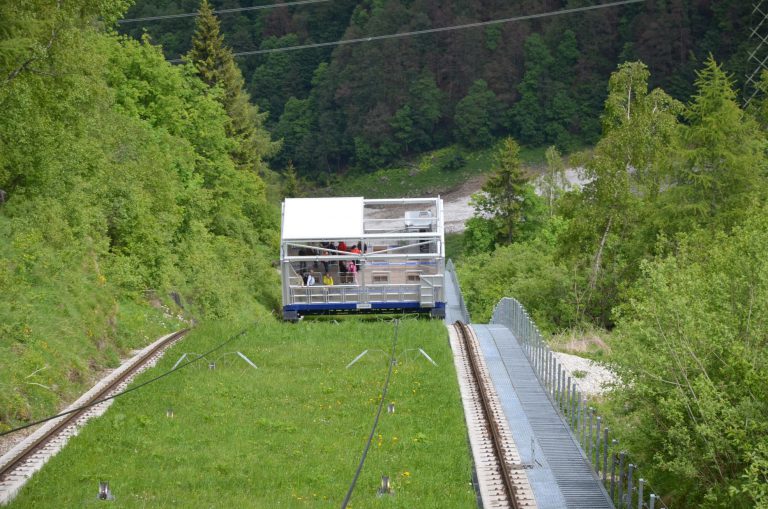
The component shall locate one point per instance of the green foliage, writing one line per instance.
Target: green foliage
(666, 241)
(216, 66)
(528, 270)
(723, 164)
(480, 235)
(612, 227)
(548, 78)
(553, 182)
(476, 116)
(291, 184)
(507, 203)
(121, 189)
(535, 94)
(692, 355)
(427, 175)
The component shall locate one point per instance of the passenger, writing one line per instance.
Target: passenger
(356, 250)
(352, 271)
(327, 279)
(310, 279)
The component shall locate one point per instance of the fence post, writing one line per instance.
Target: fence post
(574, 417)
(621, 479)
(589, 440)
(652, 501)
(553, 370)
(567, 400)
(548, 370)
(640, 485)
(613, 473)
(605, 453)
(630, 469)
(597, 444)
(540, 362)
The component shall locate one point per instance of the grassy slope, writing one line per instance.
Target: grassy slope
(424, 176)
(289, 434)
(71, 331)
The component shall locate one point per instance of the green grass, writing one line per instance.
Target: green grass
(423, 176)
(289, 434)
(56, 335)
(587, 341)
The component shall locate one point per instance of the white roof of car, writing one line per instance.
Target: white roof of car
(322, 218)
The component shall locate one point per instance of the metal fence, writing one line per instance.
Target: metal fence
(450, 271)
(610, 463)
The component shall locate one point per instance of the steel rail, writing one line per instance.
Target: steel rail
(71, 419)
(482, 383)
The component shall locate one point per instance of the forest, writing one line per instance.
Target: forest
(364, 106)
(139, 195)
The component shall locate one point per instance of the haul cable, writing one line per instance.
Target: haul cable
(392, 359)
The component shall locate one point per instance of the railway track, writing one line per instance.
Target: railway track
(501, 474)
(27, 457)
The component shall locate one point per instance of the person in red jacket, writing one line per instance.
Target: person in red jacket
(356, 250)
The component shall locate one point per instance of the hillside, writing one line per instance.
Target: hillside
(126, 205)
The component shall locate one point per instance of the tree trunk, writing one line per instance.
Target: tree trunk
(599, 255)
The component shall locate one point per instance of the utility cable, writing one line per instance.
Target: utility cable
(220, 11)
(375, 421)
(126, 391)
(430, 30)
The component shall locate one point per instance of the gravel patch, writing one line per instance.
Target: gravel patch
(597, 378)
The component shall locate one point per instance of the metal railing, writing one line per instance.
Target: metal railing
(338, 294)
(610, 463)
(450, 271)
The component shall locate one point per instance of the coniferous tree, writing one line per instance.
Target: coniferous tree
(291, 183)
(216, 66)
(724, 153)
(503, 195)
(530, 111)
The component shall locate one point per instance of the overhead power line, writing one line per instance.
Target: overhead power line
(399, 35)
(220, 11)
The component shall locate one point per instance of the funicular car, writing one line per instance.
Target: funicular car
(357, 255)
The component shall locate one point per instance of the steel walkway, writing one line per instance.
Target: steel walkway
(560, 475)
